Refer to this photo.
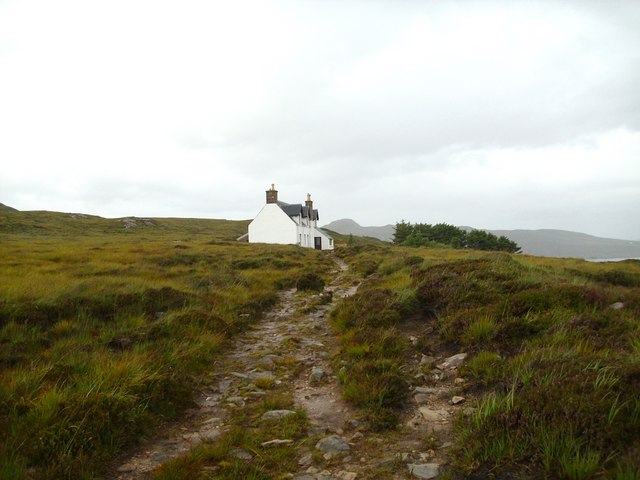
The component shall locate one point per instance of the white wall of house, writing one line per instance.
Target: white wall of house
(327, 241)
(272, 225)
(305, 238)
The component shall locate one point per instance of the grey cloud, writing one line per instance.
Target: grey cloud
(575, 93)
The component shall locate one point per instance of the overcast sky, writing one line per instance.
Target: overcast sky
(488, 114)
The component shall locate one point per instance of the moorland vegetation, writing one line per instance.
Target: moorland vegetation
(107, 326)
(554, 355)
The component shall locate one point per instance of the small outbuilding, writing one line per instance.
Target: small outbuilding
(288, 223)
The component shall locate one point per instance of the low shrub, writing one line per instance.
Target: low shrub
(366, 266)
(484, 366)
(374, 349)
(101, 338)
(310, 281)
(480, 330)
(553, 357)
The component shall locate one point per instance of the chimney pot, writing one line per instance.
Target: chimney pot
(272, 194)
(309, 205)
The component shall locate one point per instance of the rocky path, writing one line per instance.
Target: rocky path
(291, 349)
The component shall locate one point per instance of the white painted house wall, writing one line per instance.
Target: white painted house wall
(327, 241)
(272, 225)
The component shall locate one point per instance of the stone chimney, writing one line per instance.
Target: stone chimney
(309, 204)
(272, 195)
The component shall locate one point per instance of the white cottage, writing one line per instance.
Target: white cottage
(285, 223)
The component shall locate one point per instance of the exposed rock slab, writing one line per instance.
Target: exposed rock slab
(424, 471)
(332, 444)
(430, 415)
(453, 361)
(277, 414)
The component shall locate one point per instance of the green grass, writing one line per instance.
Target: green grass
(105, 331)
(248, 432)
(373, 350)
(555, 367)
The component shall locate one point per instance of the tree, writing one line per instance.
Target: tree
(427, 235)
(402, 231)
(506, 245)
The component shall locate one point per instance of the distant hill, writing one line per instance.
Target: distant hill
(43, 223)
(561, 243)
(344, 239)
(6, 208)
(546, 243)
(347, 226)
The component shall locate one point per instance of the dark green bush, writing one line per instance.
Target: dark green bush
(310, 281)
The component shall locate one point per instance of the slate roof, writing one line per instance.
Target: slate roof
(297, 210)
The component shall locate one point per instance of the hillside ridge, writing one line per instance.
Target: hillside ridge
(541, 242)
(7, 208)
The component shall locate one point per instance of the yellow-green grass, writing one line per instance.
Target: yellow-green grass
(46, 224)
(552, 357)
(104, 334)
(248, 433)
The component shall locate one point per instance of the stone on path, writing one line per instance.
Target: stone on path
(261, 375)
(332, 445)
(237, 401)
(269, 361)
(277, 414)
(457, 399)
(316, 376)
(422, 398)
(427, 360)
(317, 431)
(209, 434)
(433, 415)
(127, 467)
(276, 441)
(241, 454)
(424, 470)
(347, 475)
(224, 385)
(453, 361)
(425, 390)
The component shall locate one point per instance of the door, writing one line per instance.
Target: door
(317, 243)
